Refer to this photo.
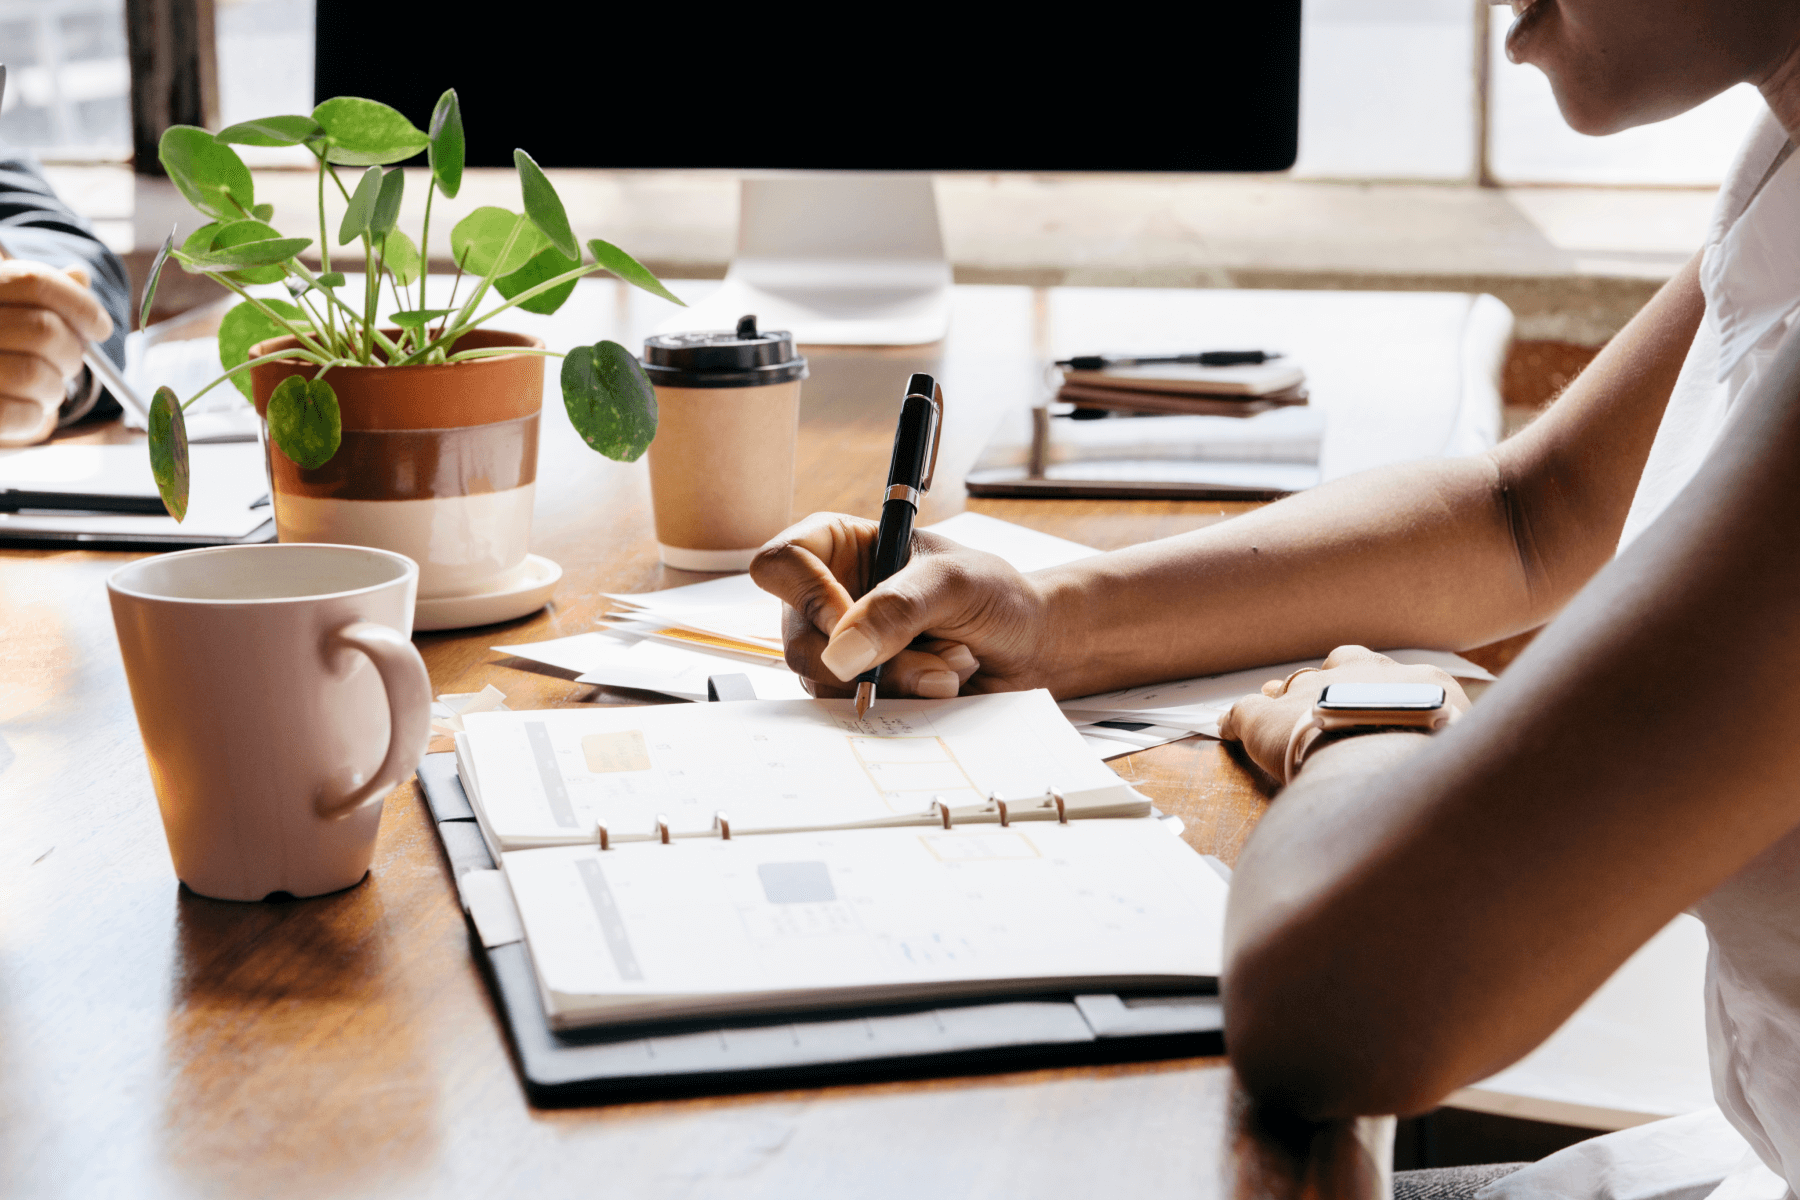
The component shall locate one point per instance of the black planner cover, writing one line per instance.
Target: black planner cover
(589, 1066)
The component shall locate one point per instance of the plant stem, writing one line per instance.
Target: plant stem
(399, 304)
(300, 270)
(245, 366)
(371, 293)
(313, 312)
(284, 322)
(451, 306)
(496, 351)
(463, 327)
(325, 249)
(487, 280)
(425, 239)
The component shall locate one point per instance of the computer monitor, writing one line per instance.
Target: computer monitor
(837, 118)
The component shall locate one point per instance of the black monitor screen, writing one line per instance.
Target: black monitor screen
(1208, 88)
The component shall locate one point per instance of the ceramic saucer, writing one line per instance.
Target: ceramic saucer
(525, 591)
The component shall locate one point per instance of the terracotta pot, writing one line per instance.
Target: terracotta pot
(438, 463)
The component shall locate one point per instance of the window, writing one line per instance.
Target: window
(68, 81)
(68, 92)
(1390, 90)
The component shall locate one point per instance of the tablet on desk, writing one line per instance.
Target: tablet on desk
(78, 493)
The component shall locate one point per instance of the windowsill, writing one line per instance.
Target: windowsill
(1573, 262)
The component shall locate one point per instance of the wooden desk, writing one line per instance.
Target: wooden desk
(155, 1044)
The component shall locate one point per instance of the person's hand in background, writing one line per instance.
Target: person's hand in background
(1264, 722)
(45, 316)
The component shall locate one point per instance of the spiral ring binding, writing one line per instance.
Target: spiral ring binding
(998, 803)
(600, 836)
(662, 828)
(722, 823)
(1062, 808)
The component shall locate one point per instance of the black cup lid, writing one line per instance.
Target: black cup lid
(742, 357)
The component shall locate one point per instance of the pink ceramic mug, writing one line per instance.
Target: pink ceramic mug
(280, 700)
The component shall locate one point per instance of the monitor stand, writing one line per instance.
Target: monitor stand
(850, 259)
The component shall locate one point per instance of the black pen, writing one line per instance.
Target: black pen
(1208, 358)
(909, 477)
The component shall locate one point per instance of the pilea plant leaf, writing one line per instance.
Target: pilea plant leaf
(206, 171)
(477, 239)
(361, 207)
(332, 279)
(245, 326)
(400, 256)
(544, 206)
(201, 240)
(387, 204)
(156, 266)
(544, 266)
(419, 317)
(256, 247)
(630, 270)
(169, 452)
(272, 131)
(251, 262)
(304, 420)
(366, 133)
(610, 400)
(263, 212)
(446, 155)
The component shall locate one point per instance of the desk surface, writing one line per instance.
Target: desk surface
(153, 1043)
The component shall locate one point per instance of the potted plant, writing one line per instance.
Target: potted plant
(388, 421)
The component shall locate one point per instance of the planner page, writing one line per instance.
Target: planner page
(551, 777)
(854, 917)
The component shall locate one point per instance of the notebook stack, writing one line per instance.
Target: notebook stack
(1236, 391)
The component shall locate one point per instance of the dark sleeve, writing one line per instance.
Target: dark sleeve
(34, 224)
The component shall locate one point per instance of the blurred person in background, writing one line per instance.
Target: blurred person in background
(59, 287)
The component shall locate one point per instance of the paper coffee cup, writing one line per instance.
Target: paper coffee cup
(722, 464)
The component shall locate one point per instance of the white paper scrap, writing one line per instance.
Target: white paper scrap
(620, 660)
(451, 707)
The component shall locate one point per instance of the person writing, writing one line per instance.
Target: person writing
(1418, 910)
(59, 286)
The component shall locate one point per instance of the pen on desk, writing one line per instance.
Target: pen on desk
(909, 478)
(1208, 358)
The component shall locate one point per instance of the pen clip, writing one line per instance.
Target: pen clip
(937, 435)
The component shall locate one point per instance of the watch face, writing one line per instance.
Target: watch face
(1388, 697)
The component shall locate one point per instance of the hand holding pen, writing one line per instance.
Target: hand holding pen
(965, 620)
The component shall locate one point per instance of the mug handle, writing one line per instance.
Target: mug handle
(408, 688)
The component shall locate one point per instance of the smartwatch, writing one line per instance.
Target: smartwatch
(1352, 708)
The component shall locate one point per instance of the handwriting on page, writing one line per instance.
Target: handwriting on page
(884, 724)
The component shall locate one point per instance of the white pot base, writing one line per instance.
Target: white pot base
(707, 560)
(525, 590)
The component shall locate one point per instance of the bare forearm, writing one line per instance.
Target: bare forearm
(1416, 555)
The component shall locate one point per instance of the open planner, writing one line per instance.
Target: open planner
(776, 891)
(553, 777)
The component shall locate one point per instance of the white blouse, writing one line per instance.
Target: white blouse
(1749, 1147)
